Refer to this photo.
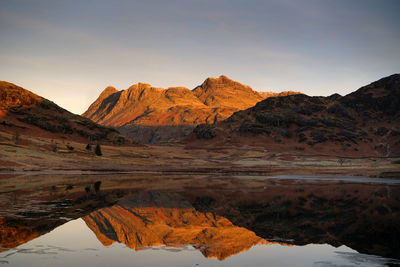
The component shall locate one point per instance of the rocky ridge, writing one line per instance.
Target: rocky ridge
(153, 114)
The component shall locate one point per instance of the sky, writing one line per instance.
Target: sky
(69, 51)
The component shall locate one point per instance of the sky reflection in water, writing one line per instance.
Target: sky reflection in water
(74, 244)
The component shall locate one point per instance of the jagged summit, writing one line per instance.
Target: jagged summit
(222, 91)
(109, 90)
(141, 86)
(221, 83)
(222, 79)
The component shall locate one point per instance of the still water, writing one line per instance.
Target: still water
(148, 221)
(74, 244)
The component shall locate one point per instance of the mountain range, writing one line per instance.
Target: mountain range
(151, 114)
(220, 112)
(365, 122)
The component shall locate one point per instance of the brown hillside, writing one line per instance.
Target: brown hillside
(365, 122)
(23, 112)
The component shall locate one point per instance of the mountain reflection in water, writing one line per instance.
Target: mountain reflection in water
(154, 219)
(274, 221)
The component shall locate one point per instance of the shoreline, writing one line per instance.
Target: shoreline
(250, 176)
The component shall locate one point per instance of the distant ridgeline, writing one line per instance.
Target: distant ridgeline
(365, 122)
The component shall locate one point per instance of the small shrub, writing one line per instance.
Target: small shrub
(318, 136)
(118, 140)
(97, 150)
(382, 131)
(302, 137)
(96, 186)
(254, 128)
(69, 187)
(283, 132)
(89, 147)
(87, 189)
(274, 120)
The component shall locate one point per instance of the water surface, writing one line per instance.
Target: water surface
(197, 221)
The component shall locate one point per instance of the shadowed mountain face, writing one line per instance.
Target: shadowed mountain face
(25, 112)
(154, 219)
(152, 114)
(365, 122)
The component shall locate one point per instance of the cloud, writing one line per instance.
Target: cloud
(42, 27)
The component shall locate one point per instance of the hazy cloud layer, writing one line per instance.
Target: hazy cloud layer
(68, 51)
